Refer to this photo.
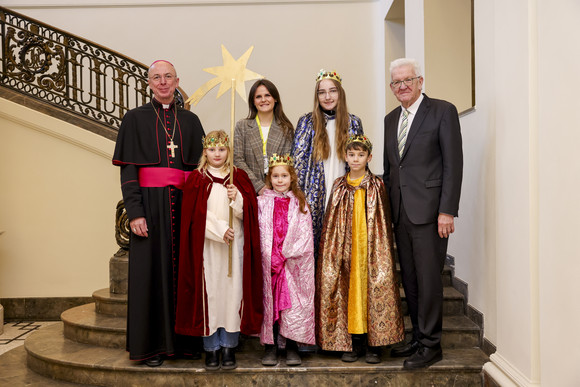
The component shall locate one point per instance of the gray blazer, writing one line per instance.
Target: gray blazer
(248, 148)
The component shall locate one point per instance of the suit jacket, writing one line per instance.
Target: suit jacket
(427, 178)
(248, 154)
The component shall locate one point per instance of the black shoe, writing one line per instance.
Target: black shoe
(350, 357)
(357, 350)
(154, 361)
(406, 350)
(424, 357)
(229, 359)
(292, 357)
(212, 360)
(373, 355)
(270, 356)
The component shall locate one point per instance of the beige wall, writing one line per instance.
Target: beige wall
(394, 45)
(58, 198)
(515, 242)
(292, 41)
(448, 51)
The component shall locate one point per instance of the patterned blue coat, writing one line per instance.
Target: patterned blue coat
(310, 172)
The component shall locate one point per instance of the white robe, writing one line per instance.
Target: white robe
(224, 294)
(333, 166)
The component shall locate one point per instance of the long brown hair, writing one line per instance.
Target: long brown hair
(321, 142)
(293, 186)
(279, 116)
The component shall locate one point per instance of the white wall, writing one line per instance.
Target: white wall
(518, 214)
(559, 176)
(515, 239)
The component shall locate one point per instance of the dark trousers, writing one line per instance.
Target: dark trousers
(422, 256)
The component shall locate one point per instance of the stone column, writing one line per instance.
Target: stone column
(119, 263)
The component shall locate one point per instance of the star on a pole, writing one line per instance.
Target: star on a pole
(231, 70)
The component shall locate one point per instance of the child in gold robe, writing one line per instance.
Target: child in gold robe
(357, 296)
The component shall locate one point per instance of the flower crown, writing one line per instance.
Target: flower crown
(217, 139)
(322, 74)
(280, 160)
(362, 139)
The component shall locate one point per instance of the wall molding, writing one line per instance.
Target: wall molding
(23, 4)
(40, 308)
(505, 374)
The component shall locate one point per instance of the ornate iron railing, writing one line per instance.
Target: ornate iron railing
(68, 71)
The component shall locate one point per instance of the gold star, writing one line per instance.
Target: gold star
(232, 70)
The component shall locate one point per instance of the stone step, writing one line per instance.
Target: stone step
(84, 325)
(14, 372)
(110, 304)
(114, 304)
(453, 302)
(52, 355)
(446, 275)
(458, 332)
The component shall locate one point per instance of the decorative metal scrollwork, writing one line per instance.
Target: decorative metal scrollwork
(68, 71)
(122, 231)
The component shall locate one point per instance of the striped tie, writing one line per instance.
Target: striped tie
(402, 139)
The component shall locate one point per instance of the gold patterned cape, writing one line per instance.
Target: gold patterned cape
(385, 323)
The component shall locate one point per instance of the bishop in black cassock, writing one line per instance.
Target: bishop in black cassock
(158, 145)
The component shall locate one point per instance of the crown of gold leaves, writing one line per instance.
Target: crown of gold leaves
(277, 159)
(215, 140)
(322, 74)
(362, 139)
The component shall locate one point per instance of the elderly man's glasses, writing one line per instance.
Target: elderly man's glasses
(157, 78)
(407, 82)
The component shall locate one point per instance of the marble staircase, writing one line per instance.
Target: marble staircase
(87, 348)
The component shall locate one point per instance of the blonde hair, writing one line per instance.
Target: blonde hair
(321, 143)
(203, 162)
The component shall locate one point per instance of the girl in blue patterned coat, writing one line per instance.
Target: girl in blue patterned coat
(319, 145)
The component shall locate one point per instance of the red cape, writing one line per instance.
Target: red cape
(191, 318)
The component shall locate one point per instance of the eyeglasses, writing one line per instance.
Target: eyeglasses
(331, 92)
(407, 82)
(157, 78)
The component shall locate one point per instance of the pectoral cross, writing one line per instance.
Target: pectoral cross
(172, 146)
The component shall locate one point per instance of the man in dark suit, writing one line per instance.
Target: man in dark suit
(423, 167)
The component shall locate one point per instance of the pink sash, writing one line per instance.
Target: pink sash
(162, 177)
(280, 292)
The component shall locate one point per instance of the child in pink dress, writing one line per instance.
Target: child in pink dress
(286, 241)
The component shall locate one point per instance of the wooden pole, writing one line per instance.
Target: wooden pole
(232, 118)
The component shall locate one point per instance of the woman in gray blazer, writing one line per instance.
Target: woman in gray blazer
(265, 131)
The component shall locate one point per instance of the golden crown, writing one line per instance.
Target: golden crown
(216, 139)
(322, 74)
(280, 160)
(362, 139)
